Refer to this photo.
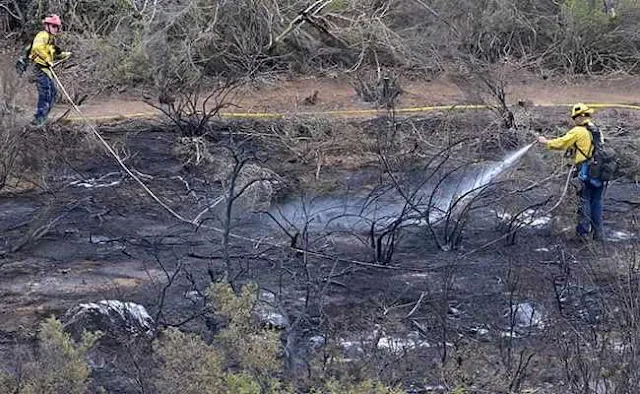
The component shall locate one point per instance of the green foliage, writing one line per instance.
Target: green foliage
(575, 36)
(244, 358)
(587, 40)
(583, 11)
(236, 308)
(190, 366)
(134, 67)
(365, 387)
(242, 383)
(256, 350)
(61, 366)
(8, 383)
(338, 5)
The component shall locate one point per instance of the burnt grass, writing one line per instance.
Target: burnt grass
(106, 239)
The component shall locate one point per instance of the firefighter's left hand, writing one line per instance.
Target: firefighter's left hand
(65, 55)
(542, 139)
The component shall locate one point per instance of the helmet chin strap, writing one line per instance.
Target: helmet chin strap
(47, 27)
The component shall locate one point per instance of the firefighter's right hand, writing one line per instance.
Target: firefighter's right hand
(65, 55)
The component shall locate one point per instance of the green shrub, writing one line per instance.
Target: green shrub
(61, 366)
(366, 387)
(190, 366)
(587, 41)
(243, 359)
(8, 383)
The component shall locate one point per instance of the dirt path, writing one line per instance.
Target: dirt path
(333, 94)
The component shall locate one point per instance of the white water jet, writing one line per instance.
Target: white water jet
(359, 213)
(492, 172)
(454, 199)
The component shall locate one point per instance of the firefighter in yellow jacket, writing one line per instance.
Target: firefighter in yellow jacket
(43, 54)
(579, 140)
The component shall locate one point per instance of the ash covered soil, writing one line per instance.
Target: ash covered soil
(441, 291)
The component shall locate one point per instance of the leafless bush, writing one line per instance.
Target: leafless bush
(442, 197)
(13, 134)
(257, 35)
(9, 150)
(382, 90)
(132, 42)
(485, 83)
(191, 110)
(596, 320)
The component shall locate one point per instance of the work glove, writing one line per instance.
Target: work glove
(21, 66)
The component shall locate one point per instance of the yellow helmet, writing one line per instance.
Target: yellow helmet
(580, 109)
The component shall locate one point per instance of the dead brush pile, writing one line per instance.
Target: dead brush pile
(150, 44)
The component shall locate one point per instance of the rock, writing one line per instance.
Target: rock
(481, 334)
(218, 163)
(119, 321)
(434, 389)
(483, 331)
(453, 311)
(263, 184)
(267, 311)
(400, 344)
(317, 341)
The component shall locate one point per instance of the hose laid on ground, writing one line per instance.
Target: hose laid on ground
(349, 112)
(112, 152)
(115, 154)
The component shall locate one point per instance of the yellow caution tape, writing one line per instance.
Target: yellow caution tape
(344, 113)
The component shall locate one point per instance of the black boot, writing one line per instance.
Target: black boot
(597, 235)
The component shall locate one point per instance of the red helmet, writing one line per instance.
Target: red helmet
(53, 19)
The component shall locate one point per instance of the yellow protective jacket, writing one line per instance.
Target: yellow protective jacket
(579, 139)
(43, 51)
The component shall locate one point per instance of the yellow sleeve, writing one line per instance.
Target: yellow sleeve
(565, 142)
(42, 50)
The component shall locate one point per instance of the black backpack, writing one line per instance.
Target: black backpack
(23, 61)
(603, 165)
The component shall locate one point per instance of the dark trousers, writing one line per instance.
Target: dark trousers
(46, 95)
(590, 210)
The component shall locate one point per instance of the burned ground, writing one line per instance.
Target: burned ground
(504, 305)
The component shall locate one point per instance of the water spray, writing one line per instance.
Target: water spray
(474, 183)
(491, 173)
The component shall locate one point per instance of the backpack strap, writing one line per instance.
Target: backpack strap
(593, 143)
